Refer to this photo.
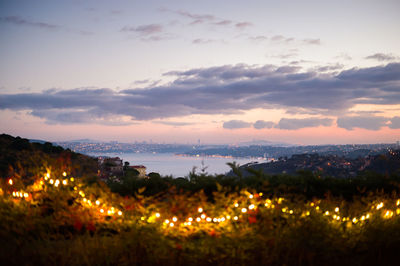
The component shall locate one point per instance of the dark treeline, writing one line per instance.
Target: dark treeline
(304, 183)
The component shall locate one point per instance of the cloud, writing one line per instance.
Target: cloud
(16, 20)
(382, 57)
(224, 22)
(260, 124)
(236, 124)
(293, 123)
(23, 22)
(312, 41)
(173, 123)
(207, 18)
(229, 89)
(395, 123)
(202, 41)
(144, 30)
(365, 122)
(243, 25)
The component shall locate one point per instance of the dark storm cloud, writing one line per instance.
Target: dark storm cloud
(229, 89)
(382, 57)
(365, 122)
(297, 123)
(235, 124)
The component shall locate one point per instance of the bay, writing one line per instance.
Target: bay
(176, 165)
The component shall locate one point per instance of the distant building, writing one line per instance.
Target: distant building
(398, 143)
(141, 169)
(113, 165)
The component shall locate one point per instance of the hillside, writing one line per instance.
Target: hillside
(330, 165)
(21, 157)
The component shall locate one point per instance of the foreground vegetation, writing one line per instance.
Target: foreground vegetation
(63, 220)
(50, 214)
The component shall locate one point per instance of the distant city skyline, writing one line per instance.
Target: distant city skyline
(223, 72)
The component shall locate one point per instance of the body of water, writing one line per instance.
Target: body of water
(177, 166)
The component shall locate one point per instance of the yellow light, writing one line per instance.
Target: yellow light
(260, 194)
(13, 193)
(398, 202)
(338, 218)
(244, 210)
(119, 213)
(228, 217)
(89, 202)
(344, 219)
(336, 209)
(283, 209)
(251, 207)
(64, 182)
(198, 219)
(57, 183)
(251, 196)
(109, 213)
(166, 221)
(362, 218)
(272, 206)
(171, 224)
(223, 219)
(236, 205)
(142, 218)
(51, 181)
(312, 204)
(203, 216)
(367, 217)
(97, 202)
(327, 213)
(317, 208)
(200, 210)
(64, 174)
(189, 223)
(82, 193)
(235, 218)
(397, 211)
(208, 219)
(174, 219)
(190, 219)
(291, 211)
(101, 210)
(72, 179)
(41, 182)
(215, 220)
(75, 188)
(379, 206)
(307, 213)
(355, 220)
(158, 215)
(48, 175)
(84, 199)
(10, 181)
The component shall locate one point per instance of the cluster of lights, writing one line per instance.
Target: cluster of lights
(59, 182)
(240, 209)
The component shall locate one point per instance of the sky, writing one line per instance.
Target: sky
(222, 72)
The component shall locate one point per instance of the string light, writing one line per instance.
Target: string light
(10, 182)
